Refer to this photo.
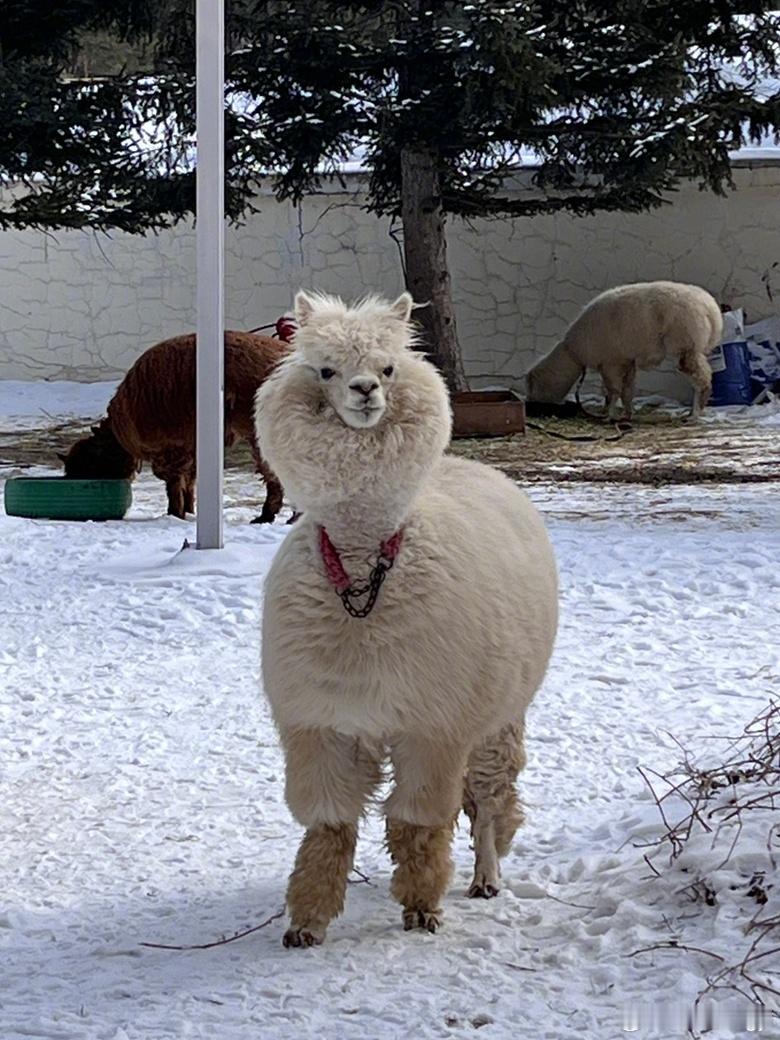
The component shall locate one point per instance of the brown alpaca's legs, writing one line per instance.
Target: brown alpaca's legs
(189, 489)
(175, 491)
(189, 497)
(175, 471)
(421, 812)
(698, 370)
(330, 778)
(274, 495)
(490, 800)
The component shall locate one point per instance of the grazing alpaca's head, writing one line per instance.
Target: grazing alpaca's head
(550, 380)
(99, 457)
(354, 414)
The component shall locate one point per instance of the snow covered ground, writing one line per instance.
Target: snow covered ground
(142, 785)
(26, 405)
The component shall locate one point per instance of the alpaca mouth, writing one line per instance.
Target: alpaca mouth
(365, 415)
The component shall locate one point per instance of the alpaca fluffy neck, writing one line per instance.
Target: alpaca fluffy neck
(116, 457)
(359, 484)
(555, 375)
(358, 527)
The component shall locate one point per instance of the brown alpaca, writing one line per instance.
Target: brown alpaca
(151, 417)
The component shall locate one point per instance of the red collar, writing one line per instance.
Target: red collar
(343, 584)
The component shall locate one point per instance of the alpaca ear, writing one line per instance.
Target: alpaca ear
(402, 307)
(304, 307)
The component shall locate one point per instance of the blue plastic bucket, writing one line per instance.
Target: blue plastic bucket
(731, 377)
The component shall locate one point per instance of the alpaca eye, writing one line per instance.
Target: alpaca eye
(327, 373)
(388, 371)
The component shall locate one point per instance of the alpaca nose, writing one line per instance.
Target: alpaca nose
(366, 387)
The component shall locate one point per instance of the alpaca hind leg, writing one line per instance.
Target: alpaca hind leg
(627, 389)
(274, 495)
(612, 378)
(421, 812)
(698, 370)
(330, 778)
(491, 802)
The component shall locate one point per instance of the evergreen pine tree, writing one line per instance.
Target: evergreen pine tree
(614, 103)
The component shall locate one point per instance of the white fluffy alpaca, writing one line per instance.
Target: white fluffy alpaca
(633, 327)
(438, 675)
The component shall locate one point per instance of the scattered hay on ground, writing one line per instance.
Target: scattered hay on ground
(655, 450)
(659, 448)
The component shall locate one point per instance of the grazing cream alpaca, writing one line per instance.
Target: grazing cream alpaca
(410, 614)
(634, 327)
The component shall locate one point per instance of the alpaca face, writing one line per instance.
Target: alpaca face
(353, 355)
(356, 389)
(98, 457)
(353, 416)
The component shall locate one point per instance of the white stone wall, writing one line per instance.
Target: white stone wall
(76, 305)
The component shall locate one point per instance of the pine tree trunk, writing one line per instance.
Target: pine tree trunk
(425, 255)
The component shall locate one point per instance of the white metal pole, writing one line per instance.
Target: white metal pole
(210, 211)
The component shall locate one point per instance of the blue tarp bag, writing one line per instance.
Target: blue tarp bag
(731, 375)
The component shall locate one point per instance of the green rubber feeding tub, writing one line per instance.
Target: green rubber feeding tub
(57, 498)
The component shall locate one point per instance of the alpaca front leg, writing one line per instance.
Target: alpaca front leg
(189, 498)
(175, 490)
(189, 490)
(330, 777)
(170, 469)
(421, 812)
(423, 871)
(318, 884)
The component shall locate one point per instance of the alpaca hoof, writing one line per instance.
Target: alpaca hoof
(481, 888)
(430, 920)
(262, 519)
(301, 937)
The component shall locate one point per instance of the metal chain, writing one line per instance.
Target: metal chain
(370, 588)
